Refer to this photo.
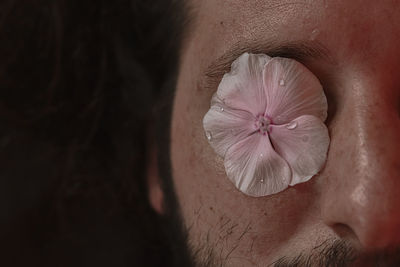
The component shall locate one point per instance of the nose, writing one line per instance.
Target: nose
(361, 184)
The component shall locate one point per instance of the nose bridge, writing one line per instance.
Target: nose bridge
(363, 169)
(374, 121)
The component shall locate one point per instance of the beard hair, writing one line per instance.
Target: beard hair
(330, 253)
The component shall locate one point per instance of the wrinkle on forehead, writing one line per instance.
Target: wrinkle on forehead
(240, 12)
(216, 24)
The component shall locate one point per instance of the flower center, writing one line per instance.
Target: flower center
(262, 124)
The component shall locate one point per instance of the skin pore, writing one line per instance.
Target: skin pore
(352, 47)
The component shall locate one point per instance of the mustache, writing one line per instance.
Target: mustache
(339, 253)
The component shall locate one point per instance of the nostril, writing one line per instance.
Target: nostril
(345, 232)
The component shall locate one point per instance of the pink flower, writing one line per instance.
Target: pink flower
(266, 121)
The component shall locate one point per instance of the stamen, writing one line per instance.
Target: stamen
(263, 124)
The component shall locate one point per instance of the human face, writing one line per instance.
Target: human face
(356, 197)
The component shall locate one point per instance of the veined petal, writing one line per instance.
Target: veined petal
(242, 87)
(303, 143)
(255, 168)
(225, 126)
(292, 90)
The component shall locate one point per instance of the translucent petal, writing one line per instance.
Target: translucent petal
(255, 168)
(242, 88)
(225, 127)
(292, 90)
(303, 143)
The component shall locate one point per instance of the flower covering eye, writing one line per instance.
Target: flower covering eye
(266, 121)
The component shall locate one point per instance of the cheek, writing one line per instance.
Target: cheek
(197, 170)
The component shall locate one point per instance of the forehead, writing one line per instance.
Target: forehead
(342, 26)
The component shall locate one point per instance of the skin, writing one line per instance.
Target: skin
(356, 196)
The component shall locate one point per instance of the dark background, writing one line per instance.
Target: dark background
(78, 80)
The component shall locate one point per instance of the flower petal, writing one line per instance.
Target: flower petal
(225, 127)
(242, 87)
(255, 168)
(303, 143)
(292, 90)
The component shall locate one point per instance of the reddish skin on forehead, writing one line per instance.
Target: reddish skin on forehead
(357, 195)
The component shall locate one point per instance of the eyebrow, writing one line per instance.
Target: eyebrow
(300, 51)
